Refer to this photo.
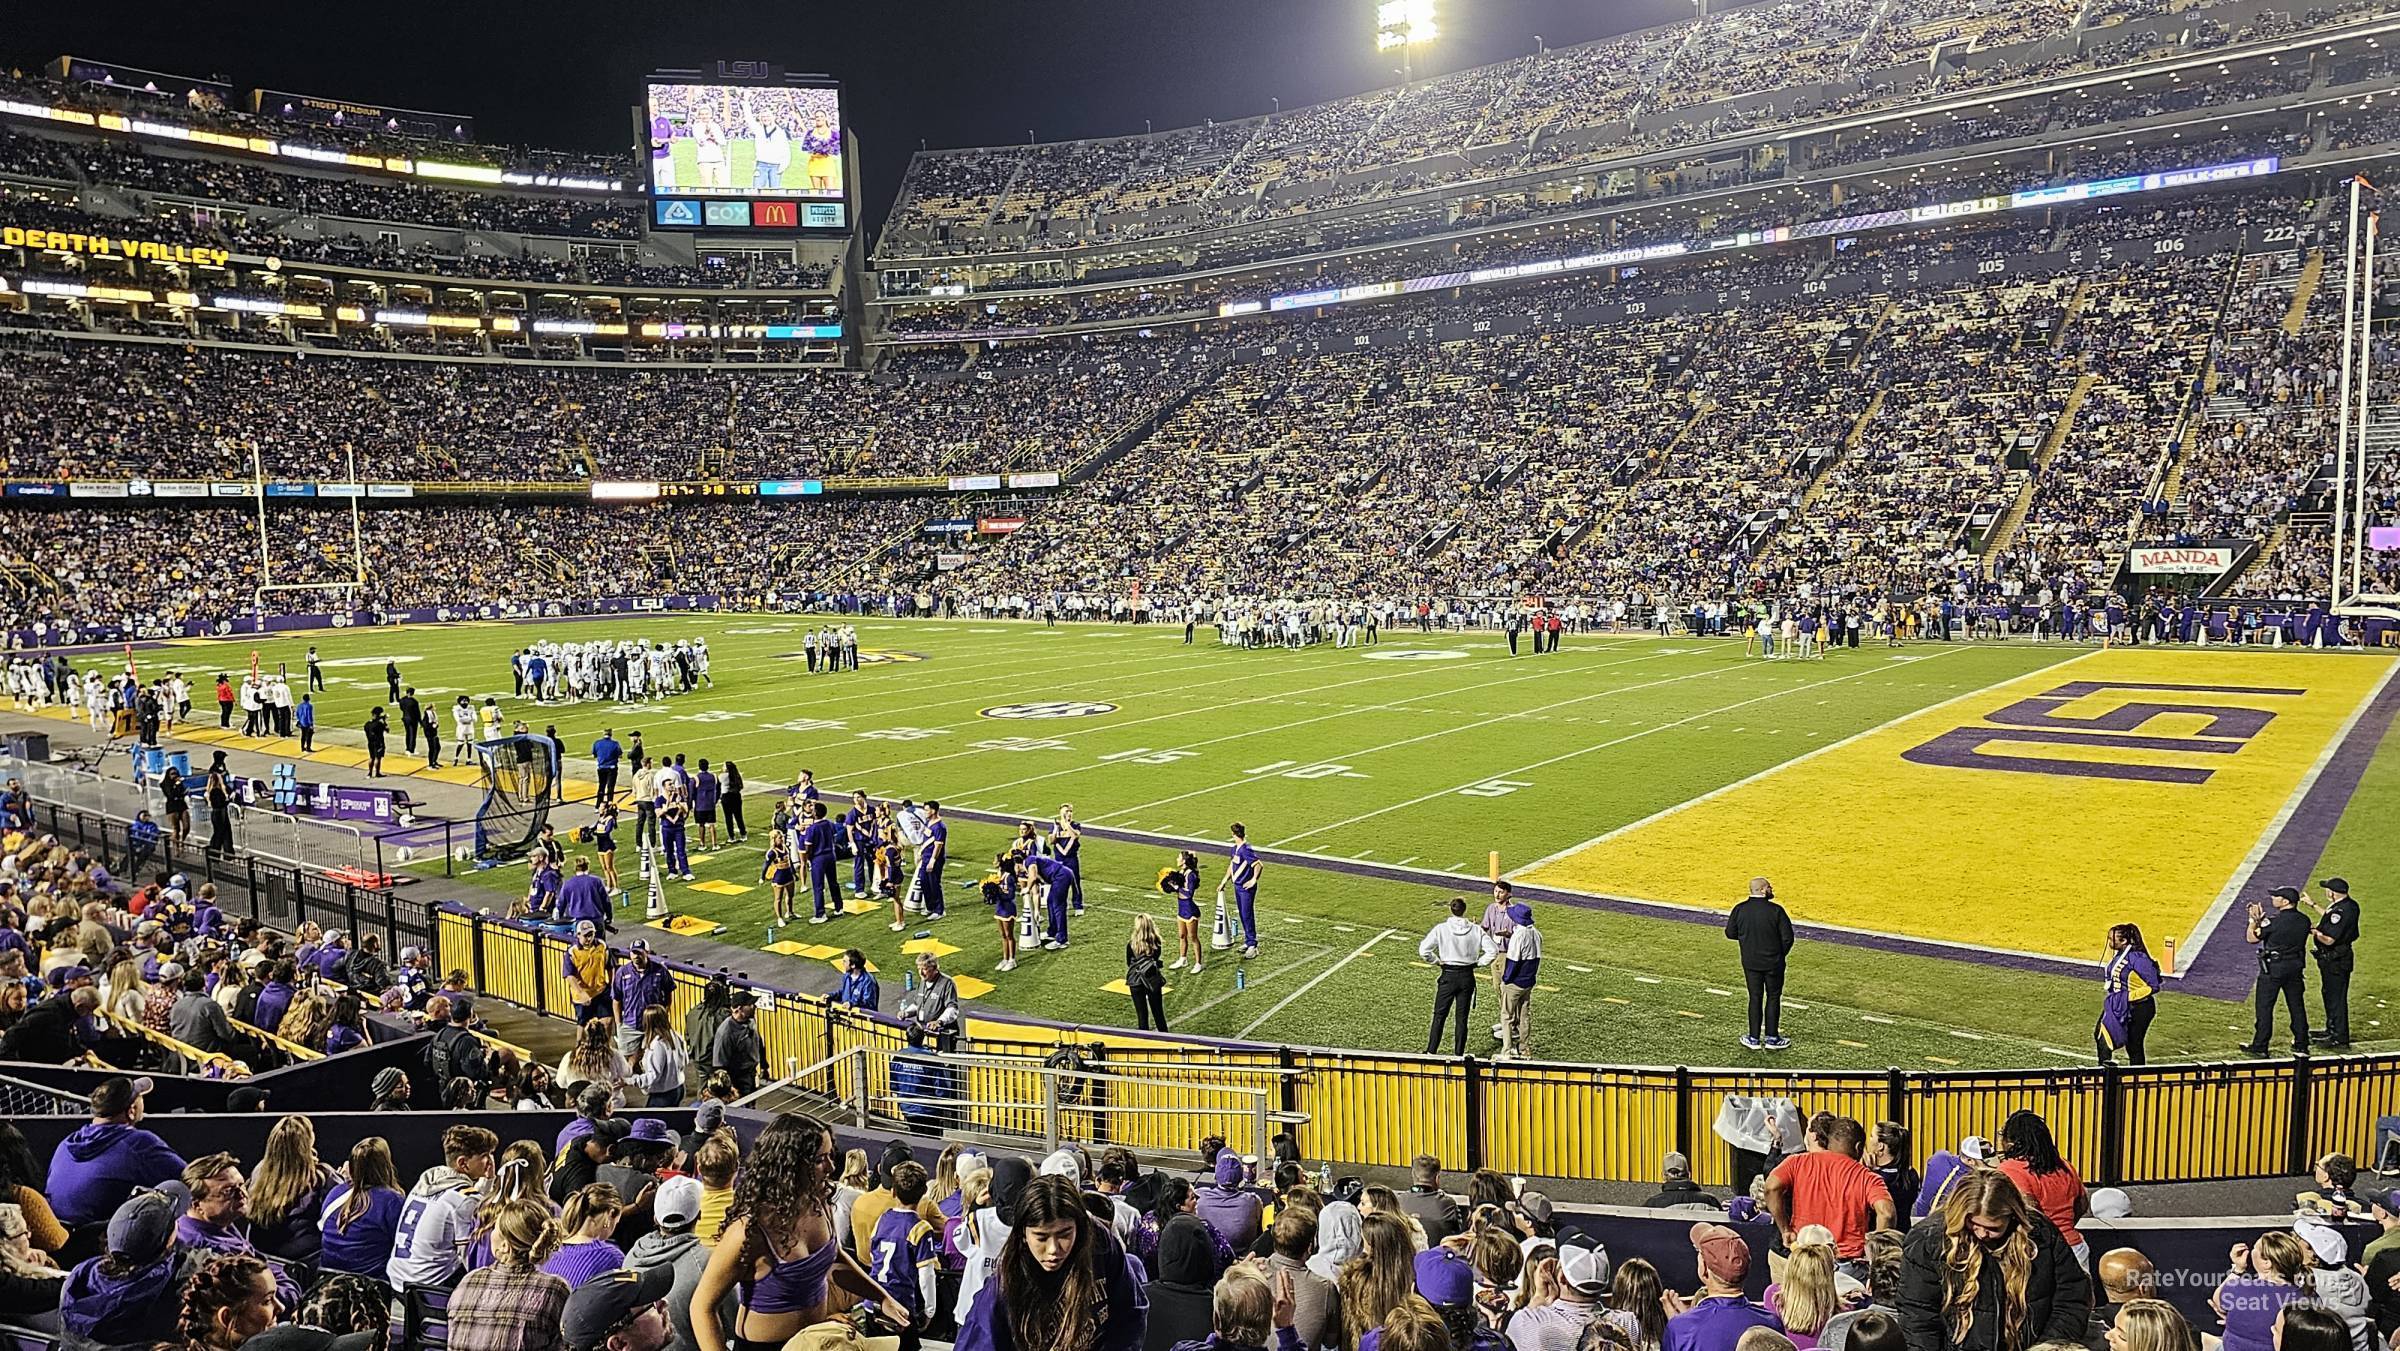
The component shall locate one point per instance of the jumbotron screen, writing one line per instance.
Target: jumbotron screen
(746, 156)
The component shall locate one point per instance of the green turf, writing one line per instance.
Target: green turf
(1432, 764)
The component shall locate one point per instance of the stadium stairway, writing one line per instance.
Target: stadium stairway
(2231, 577)
(1858, 433)
(2304, 289)
(2011, 521)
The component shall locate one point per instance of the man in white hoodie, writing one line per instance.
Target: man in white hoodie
(676, 1244)
(1459, 947)
(2340, 1288)
(437, 1219)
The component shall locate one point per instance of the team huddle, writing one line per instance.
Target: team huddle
(627, 670)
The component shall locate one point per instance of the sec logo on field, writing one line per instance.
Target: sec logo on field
(1057, 708)
(1417, 654)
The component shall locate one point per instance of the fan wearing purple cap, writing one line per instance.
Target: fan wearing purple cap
(1446, 1280)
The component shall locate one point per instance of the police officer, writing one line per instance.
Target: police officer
(2280, 932)
(2335, 932)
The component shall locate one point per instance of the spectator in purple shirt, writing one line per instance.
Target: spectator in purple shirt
(217, 1219)
(1230, 1208)
(584, 1250)
(639, 983)
(705, 792)
(583, 897)
(1717, 1318)
(96, 1168)
(275, 997)
(1060, 1281)
(330, 957)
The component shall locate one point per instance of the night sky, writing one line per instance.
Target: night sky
(940, 72)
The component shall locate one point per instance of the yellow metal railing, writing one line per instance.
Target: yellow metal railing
(2180, 1122)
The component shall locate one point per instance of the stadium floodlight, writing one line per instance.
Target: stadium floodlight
(1405, 24)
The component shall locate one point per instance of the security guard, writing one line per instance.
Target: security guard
(2280, 932)
(2335, 933)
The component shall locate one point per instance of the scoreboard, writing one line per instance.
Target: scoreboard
(747, 149)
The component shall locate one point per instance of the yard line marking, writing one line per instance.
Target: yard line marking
(1714, 990)
(1649, 980)
(1279, 696)
(1854, 1045)
(1312, 983)
(1597, 746)
(1612, 999)
(1344, 929)
(1941, 1060)
(2071, 1055)
(1362, 853)
(1439, 732)
(1142, 666)
(1794, 1004)
(1386, 706)
(1687, 1013)
(1968, 1036)
(1401, 864)
(1579, 970)
(1278, 973)
(1871, 1018)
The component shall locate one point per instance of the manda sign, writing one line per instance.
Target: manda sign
(2205, 560)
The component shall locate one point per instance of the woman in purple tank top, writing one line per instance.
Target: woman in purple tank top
(778, 1248)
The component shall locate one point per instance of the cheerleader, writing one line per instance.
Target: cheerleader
(604, 843)
(778, 872)
(1182, 882)
(890, 866)
(1000, 890)
(1066, 845)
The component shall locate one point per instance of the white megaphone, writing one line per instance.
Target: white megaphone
(1220, 936)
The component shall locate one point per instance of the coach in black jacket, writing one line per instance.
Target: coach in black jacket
(1765, 932)
(1985, 1217)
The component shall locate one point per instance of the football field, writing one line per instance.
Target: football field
(1959, 823)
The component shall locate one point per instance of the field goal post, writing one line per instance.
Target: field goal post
(2354, 456)
(266, 553)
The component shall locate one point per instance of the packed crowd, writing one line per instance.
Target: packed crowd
(1558, 106)
(424, 134)
(111, 410)
(125, 164)
(622, 1232)
(74, 568)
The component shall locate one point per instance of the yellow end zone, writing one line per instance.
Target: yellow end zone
(2028, 816)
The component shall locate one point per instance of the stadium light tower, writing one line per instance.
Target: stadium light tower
(1405, 24)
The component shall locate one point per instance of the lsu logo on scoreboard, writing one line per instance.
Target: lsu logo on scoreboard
(2049, 740)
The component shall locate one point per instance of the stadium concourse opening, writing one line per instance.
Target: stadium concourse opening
(1777, 613)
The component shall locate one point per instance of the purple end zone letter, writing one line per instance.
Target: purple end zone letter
(1963, 749)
